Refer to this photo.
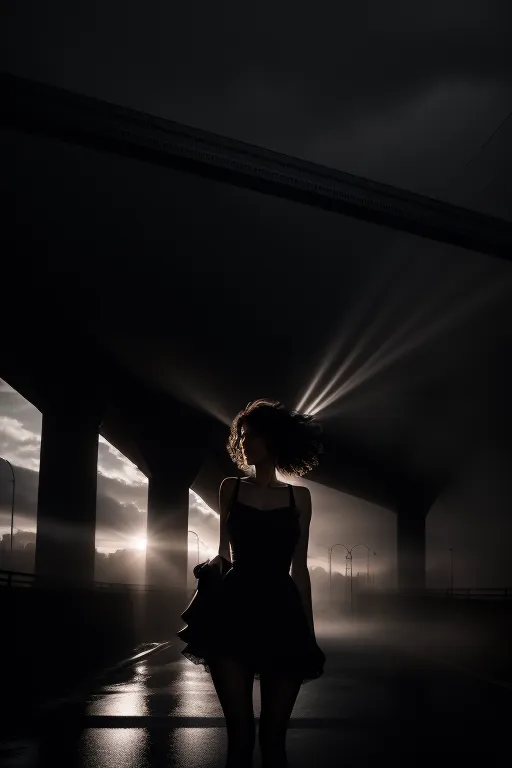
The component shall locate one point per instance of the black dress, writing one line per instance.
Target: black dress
(254, 612)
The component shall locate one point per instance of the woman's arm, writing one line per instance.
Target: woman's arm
(300, 573)
(226, 491)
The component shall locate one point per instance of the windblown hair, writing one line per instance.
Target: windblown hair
(292, 437)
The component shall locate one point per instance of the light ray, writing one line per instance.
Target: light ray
(378, 362)
(342, 338)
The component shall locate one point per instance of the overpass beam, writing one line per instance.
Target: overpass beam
(66, 503)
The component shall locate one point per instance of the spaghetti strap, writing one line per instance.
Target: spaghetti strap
(292, 496)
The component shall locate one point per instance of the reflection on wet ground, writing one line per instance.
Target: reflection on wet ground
(373, 703)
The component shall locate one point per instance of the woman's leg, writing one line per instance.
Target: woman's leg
(234, 682)
(278, 696)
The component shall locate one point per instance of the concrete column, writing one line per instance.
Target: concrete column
(166, 553)
(66, 505)
(173, 439)
(167, 546)
(411, 549)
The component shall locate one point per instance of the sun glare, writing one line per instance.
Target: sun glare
(140, 543)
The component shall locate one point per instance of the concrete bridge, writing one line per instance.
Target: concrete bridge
(169, 276)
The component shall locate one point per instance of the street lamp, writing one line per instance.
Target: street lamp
(367, 560)
(348, 556)
(12, 505)
(195, 534)
(348, 568)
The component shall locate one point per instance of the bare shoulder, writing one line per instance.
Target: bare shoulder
(303, 500)
(226, 493)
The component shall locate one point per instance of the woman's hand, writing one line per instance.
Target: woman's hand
(217, 562)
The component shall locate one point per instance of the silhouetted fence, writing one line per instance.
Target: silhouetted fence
(475, 593)
(461, 593)
(20, 579)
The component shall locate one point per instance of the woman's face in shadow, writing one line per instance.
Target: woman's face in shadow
(253, 446)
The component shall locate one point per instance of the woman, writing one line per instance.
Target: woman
(260, 622)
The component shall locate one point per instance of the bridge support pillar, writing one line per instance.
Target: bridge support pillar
(66, 504)
(167, 545)
(173, 438)
(411, 548)
(166, 553)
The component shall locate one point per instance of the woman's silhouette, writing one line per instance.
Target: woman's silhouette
(261, 625)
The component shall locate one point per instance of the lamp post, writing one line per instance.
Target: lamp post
(12, 505)
(348, 568)
(367, 560)
(195, 534)
(348, 555)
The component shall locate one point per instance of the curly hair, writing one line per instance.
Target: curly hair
(292, 437)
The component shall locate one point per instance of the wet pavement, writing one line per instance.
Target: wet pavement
(373, 704)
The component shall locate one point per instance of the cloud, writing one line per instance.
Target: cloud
(118, 521)
(18, 444)
(121, 507)
(122, 488)
(201, 508)
(25, 500)
(112, 464)
(20, 429)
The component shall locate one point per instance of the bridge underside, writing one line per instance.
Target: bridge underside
(160, 278)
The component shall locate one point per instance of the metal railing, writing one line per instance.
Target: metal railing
(16, 579)
(474, 593)
(29, 580)
(117, 586)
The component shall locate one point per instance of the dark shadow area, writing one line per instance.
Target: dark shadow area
(56, 640)
(382, 703)
(475, 635)
(157, 349)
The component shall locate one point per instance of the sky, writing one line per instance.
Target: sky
(122, 488)
(403, 93)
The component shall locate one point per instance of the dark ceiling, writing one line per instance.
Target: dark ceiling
(213, 295)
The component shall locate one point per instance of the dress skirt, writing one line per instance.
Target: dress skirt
(255, 617)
